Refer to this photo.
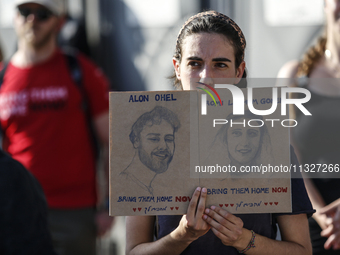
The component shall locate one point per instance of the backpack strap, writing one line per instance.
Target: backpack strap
(77, 77)
(2, 72)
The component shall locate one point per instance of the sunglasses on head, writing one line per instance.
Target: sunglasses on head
(41, 14)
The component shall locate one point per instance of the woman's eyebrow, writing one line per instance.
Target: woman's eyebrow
(214, 59)
(194, 58)
(221, 59)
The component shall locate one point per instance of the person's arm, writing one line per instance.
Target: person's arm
(140, 229)
(229, 228)
(317, 202)
(289, 71)
(101, 125)
(332, 211)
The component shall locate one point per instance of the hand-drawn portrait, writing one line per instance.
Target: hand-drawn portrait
(156, 145)
(153, 138)
(242, 143)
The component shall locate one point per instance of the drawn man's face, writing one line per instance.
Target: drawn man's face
(243, 143)
(156, 146)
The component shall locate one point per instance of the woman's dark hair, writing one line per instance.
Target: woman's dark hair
(212, 22)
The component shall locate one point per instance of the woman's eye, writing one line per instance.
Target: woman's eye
(236, 133)
(193, 63)
(252, 133)
(221, 65)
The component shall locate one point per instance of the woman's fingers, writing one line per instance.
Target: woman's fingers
(330, 209)
(201, 203)
(225, 225)
(328, 231)
(197, 204)
(330, 242)
(193, 203)
(192, 224)
(224, 217)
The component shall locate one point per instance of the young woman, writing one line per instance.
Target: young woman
(317, 138)
(210, 45)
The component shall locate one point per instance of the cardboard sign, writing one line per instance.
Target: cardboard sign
(162, 148)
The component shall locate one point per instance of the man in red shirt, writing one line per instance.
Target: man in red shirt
(45, 127)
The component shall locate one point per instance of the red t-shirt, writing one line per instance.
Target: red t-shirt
(45, 127)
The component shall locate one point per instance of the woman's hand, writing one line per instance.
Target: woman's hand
(227, 227)
(140, 230)
(192, 225)
(332, 231)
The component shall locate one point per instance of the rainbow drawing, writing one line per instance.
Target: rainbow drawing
(213, 90)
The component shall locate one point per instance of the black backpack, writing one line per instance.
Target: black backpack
(76, 74)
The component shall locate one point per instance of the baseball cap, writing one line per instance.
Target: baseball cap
(55, 6)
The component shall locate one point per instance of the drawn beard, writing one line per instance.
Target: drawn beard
(157, 162)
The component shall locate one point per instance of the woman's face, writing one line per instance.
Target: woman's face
(243, 143)
(206, 56)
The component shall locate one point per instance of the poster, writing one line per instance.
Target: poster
(161, 146)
